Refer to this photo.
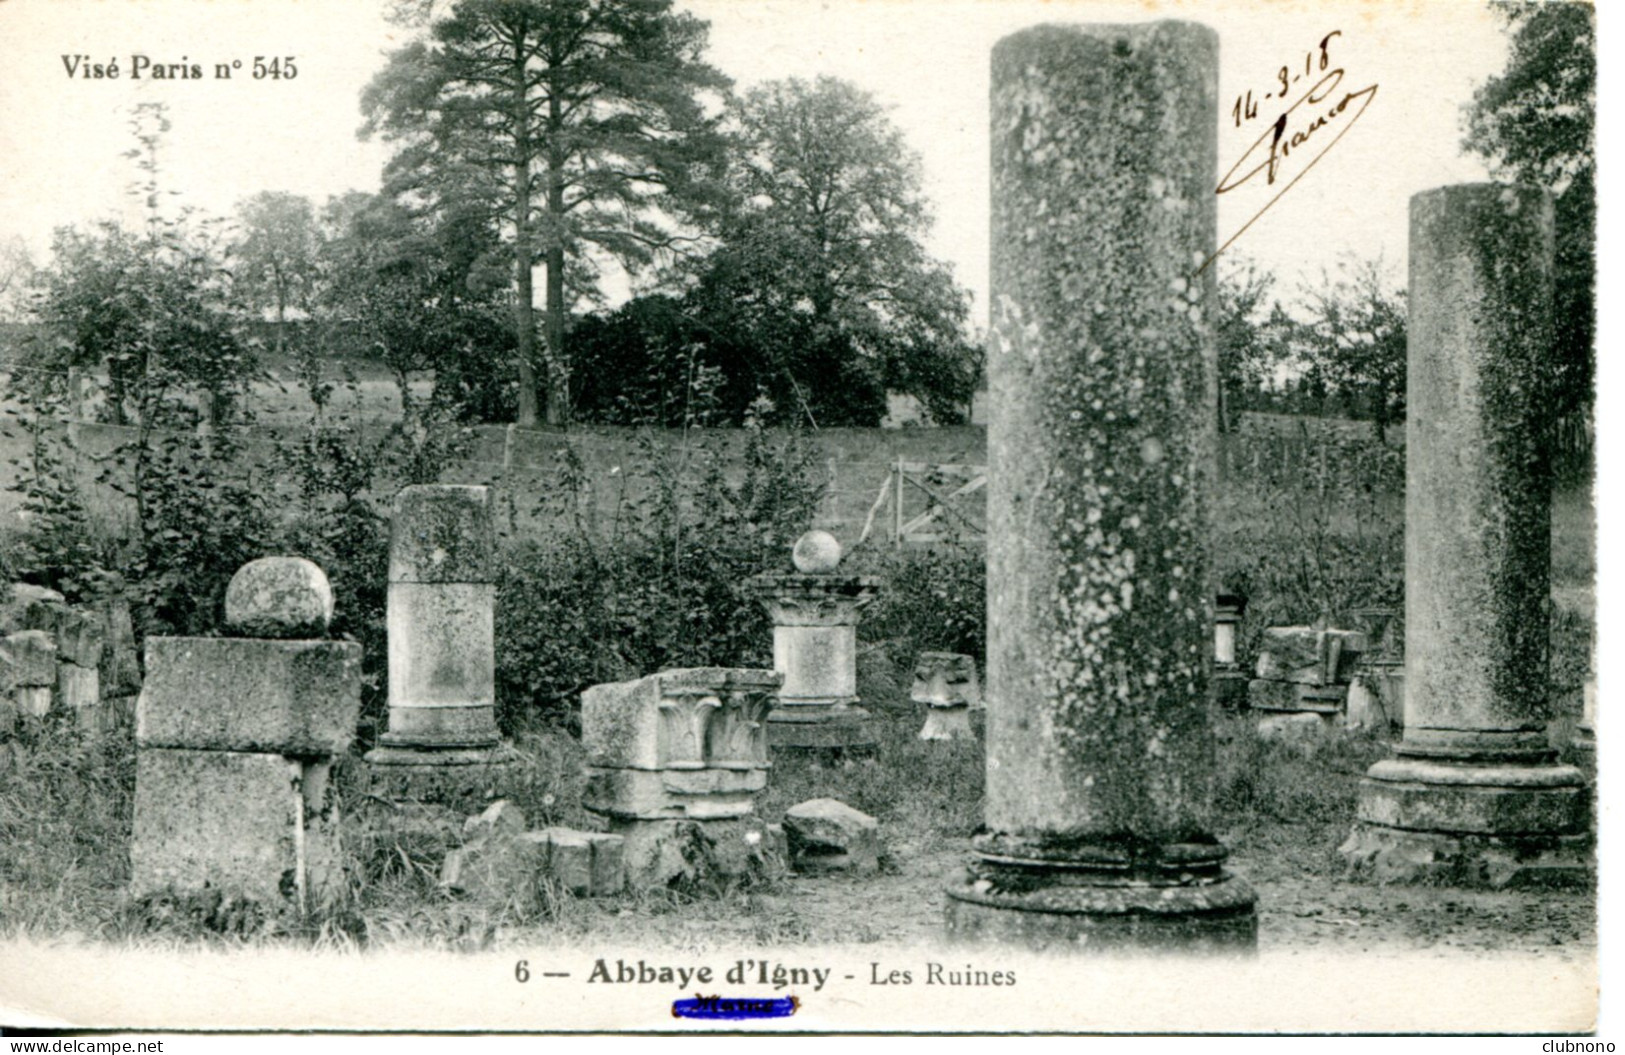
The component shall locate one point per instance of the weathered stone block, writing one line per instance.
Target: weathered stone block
(504, 868)
(498, 819)
(120, 665)
(667, 852)
(77, 688)
(256, 826)
(1390, 855)
(945, 679)
(1302, 728)
(78, 636)
(33, 701)
(827, 835)
(569, 858)
(699, 794)
(694, 718)
(279, 597)
(1308, 655)
(1291, 696)
(33, 658)
(442, 533)
(298, 698)
(17, 598)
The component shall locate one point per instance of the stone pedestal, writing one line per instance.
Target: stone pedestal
(1102, 456)
(815, 615)
(235, 740)
(675, 761)
(1474, 795)
(946, 683)
(1229, 679)
(442, 743)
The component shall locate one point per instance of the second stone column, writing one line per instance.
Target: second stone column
(1101, 451)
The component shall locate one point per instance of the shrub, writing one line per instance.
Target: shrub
(663, 585)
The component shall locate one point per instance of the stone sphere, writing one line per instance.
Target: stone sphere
(279, 597)
(816, 551)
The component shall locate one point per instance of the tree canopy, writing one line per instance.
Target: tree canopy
(578, 123)
(820, 271)
(1536, 123)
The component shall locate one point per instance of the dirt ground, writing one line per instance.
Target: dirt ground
(1296, 911)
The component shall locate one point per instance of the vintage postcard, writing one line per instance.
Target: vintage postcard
(982, 516)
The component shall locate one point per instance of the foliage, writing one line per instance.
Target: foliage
(1310, 530)
(820, 292)
(155, 309)
(60, 546)
(663, 585)
(1355, 339)
(1253, 334)
(417, 293)
(934, 600)
(1536, 123)
(275, 255)
(574, 122)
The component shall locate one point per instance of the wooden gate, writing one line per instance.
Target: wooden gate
(932, 503)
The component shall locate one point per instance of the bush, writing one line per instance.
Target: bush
(664, 585)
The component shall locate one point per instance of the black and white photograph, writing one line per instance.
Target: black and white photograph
(803, 516)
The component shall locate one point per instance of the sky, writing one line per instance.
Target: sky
(61, 135)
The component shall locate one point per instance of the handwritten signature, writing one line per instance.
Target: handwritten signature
(1286, 138)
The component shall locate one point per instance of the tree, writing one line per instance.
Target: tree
(1253, 336)
(1355, 335)
(820, 271)
(16, 272)
(411, 292)
(578, 122)
(275, 255)
(1536, 123)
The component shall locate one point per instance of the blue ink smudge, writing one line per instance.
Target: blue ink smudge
(734, 1008)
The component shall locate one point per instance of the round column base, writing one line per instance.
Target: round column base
(464, 778)
(1493, 800)
(1216, 916)
(1381, 854)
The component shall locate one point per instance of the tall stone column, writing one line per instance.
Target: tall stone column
(1474, 795)
(1101, 459)
(442, 743)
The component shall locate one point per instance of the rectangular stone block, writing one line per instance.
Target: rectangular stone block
(1263, 695)
(120, 665)
(442, 533)
(33, 701)
(608, 864)
(77, 688)
(78, 636)
(693, 718)
(697, 794)
(33, 658)
(1308, 655)
(254, 826)
(569, 859)
(295, 698)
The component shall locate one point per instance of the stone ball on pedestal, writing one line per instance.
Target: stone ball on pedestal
(816, 552)
(279, 597)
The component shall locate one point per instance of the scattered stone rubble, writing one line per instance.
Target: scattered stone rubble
(55, 657)
(827, 835)
(675, 762)
(1302, 679)
(502, 862)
